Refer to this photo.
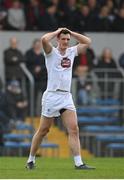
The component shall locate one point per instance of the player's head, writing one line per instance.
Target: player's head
(63, 38)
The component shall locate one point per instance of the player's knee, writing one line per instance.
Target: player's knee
(43, 132)
(74, 130)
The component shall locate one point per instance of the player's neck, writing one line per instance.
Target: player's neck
(62, 51)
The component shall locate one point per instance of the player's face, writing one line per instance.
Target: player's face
(63, 41)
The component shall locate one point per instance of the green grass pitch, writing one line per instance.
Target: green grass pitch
(56, 168)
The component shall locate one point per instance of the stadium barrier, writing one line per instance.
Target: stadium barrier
(31, 89)
(21, 146)
(114, 147)
(101, 143)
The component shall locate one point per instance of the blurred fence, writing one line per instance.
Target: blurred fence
(102, 87)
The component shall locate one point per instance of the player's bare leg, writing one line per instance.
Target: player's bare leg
(43, 129)
(70, 121)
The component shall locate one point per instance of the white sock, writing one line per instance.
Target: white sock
(31, 158)
(78, 161)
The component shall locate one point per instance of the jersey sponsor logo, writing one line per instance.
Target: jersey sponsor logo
(65, 62)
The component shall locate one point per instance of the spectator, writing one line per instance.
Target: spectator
(56, 2)
(110, 5)
(5, 118)
(49, 18)
(85, 87)
(121, 60)
(107, 68)
(67, 13)
(102, 21)
(83, 22)
(112, 10)
(3, 15)
(106, 60)
(35, 62)
(34, 10)
(85, 59)
(118, 24)
(16, 101)
(16, 17)
(94, 7)
(12, 59)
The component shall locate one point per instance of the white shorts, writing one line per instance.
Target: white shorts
(53, 102)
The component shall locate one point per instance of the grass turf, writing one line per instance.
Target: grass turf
(55, 168)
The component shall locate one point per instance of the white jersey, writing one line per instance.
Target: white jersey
(59, 68)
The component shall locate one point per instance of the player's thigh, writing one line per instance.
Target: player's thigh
(69, 119)
(45, 123)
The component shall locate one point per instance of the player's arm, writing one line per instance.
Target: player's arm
(83, 41)
(47, 38)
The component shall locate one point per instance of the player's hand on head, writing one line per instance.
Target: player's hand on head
(63, 28)
(67, 29)
(59, 30)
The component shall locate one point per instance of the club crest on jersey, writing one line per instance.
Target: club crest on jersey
(65, 62)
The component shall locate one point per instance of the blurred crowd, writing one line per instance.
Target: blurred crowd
(48, 15)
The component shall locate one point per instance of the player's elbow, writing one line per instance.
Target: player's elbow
(89, 41)
(43, 40)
